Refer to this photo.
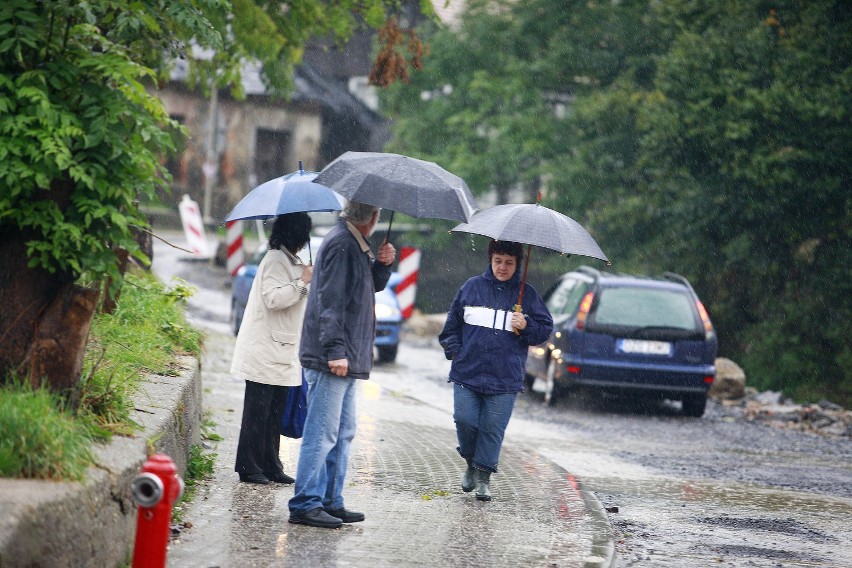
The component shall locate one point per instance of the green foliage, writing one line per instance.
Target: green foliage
(199, 468)
(39, 439)
(79, 134)
(710, 139)
(42, 436)
(142, 336)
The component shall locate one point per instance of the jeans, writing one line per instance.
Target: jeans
(481, 421)
(329, 430)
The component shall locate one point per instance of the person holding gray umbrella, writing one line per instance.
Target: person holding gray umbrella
(336, 353)
(486, 335)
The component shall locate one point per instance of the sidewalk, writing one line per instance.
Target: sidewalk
(405, 476)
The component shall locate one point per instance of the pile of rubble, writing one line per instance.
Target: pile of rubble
(772, 408)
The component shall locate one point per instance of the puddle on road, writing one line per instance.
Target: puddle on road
(756, 497)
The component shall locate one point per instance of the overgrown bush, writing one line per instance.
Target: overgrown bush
(45, 436)
(39, 438)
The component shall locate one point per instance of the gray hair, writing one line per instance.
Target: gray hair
(358, 213)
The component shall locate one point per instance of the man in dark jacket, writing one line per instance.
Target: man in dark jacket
(337, 348)
(487, 340)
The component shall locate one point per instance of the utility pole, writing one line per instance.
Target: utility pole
(211, 164)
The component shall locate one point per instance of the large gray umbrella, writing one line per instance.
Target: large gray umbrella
(533, 224)
(399, 183)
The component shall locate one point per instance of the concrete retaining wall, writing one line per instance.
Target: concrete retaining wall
(93, 522)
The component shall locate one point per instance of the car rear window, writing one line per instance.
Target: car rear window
(566, 297)
(644, 307)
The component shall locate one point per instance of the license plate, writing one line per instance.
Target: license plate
(644, 347)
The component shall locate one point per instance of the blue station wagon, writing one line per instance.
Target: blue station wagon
(388, 314)
(628, 336)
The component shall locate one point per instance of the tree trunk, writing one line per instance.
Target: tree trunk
(44, 317)
(56, 351)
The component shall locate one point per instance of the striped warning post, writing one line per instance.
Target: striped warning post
(406, 290)
(193, 228)
(234, 241)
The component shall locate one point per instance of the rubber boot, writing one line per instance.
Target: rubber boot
(469, 478)
(483, 492)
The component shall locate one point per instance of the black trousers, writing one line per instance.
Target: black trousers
(260, 432)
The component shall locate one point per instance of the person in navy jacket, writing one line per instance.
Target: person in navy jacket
(487, 341)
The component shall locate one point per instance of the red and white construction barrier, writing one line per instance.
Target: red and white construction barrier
(234, 241)
(193, 228)
(409, 268)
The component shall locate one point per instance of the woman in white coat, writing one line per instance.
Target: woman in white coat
(266, 354)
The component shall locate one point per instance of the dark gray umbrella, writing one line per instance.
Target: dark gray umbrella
(533, 224)
(399, 183)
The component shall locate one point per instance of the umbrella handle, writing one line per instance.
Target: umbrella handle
(517, 309)
(390, 224)
(523, 284)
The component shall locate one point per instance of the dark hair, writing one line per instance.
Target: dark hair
(506, 247)
(291, 231)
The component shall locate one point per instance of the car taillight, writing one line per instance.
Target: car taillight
(573, 369)
(705, 317)
(709, 379)
(585, 306)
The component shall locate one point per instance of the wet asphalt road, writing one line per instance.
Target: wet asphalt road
(685, 492)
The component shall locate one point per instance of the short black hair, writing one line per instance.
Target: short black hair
(291, 231)
(506, 247)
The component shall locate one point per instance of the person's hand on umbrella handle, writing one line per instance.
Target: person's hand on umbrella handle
(387, 254)
(307, 274)
(519, 320)
(339, 367)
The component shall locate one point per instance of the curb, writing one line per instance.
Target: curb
(93, 522)
(603, 545)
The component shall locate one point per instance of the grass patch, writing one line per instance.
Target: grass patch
(39, 438)
(144, 335)
(43, 435)
(199, 468)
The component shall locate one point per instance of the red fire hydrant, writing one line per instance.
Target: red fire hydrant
(154, 490)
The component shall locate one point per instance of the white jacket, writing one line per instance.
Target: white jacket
(267, 348)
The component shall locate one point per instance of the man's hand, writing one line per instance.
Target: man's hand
(519, 321)
(386, 254)
(339, 367)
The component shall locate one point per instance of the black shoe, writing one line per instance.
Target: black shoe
(346, 516)
(280, 477)
(316, 518)
(258, 478)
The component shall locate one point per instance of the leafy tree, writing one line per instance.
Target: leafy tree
(470, 109)
(747, 139)
(80, 139)
(706, 138)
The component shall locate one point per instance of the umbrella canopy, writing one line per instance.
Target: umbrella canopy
(290, 193)
(533, 224)
(399, 183)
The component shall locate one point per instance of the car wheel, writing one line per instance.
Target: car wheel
(694, 405)
(387, 353)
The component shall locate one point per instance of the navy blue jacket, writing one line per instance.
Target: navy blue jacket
(340, 318)
(488, 357)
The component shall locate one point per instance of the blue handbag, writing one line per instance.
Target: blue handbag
(295, 410)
